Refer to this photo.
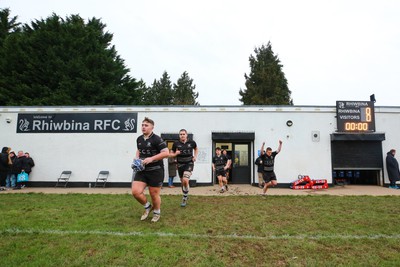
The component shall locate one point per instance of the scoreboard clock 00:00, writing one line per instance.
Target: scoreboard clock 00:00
(355, 116)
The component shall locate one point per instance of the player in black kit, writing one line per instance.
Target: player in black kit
(151, 149)
(186, 152)
(268, 159)
(220, 164)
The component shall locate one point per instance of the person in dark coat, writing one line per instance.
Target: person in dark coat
(21, 164)
(392, 167)
(12, 171)
(171, 170)
(260, 168)
(4, 165)
(30, 163)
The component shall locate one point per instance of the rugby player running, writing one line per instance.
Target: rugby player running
(152, 149)
(220, 164)
(186, 152)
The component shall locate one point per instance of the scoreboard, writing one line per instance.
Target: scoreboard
(355, 116)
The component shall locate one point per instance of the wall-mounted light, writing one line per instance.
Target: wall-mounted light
(8, 120)
(289, 123)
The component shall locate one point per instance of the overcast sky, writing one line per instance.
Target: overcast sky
(330, 50)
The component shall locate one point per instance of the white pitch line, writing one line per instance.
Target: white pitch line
(165, 234)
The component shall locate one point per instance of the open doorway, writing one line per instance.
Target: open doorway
(239, 154)
(357, 177)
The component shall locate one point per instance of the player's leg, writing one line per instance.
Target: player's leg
(156, 179)
(271, 181)
(260, 180)
(267, 182)
(225, 182)
(155, 197)
(185, 180)
(265, 188)
(221, 181)
(138, 188)
(184, 176)
(226, 179)
(185, 187)
(156, 200)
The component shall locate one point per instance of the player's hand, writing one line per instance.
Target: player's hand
(147, 161)
(194, 159)
(280, 142)
(178, 152)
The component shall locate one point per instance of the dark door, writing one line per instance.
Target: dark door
(241, 167)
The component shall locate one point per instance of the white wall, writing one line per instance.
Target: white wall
(85, 154)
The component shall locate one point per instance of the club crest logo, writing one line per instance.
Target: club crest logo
(129, 124)
(24, 125)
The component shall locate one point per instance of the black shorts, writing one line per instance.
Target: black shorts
(220, 172)
(185, 167)
(269, 176)
(153, 178)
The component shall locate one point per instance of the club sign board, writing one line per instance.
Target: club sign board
(77, 123)
(355, 116)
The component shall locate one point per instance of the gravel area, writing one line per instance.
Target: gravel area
(214, 190)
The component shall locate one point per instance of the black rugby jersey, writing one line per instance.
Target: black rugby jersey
(219, 161)
(268, 161)
(150, 147)
(186, 150)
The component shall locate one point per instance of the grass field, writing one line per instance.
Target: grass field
(105, 230)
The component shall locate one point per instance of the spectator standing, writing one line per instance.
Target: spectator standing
(260, 168)
(11, 180)
(12, 171)
(392, 167)
(21, 164)
(171, 170)
(29, 163)
(4, 165)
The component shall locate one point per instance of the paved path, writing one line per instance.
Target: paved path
(348, 190)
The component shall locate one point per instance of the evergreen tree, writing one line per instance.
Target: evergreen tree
(166, 93)
(160, 92)
(150, 94)
(7, 25)
(184, 93)
(266, 84)
(54, 61)
(141, 91)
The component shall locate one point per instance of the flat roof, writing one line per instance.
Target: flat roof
(116, 108)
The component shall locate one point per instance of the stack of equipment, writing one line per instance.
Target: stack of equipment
(304, 182)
